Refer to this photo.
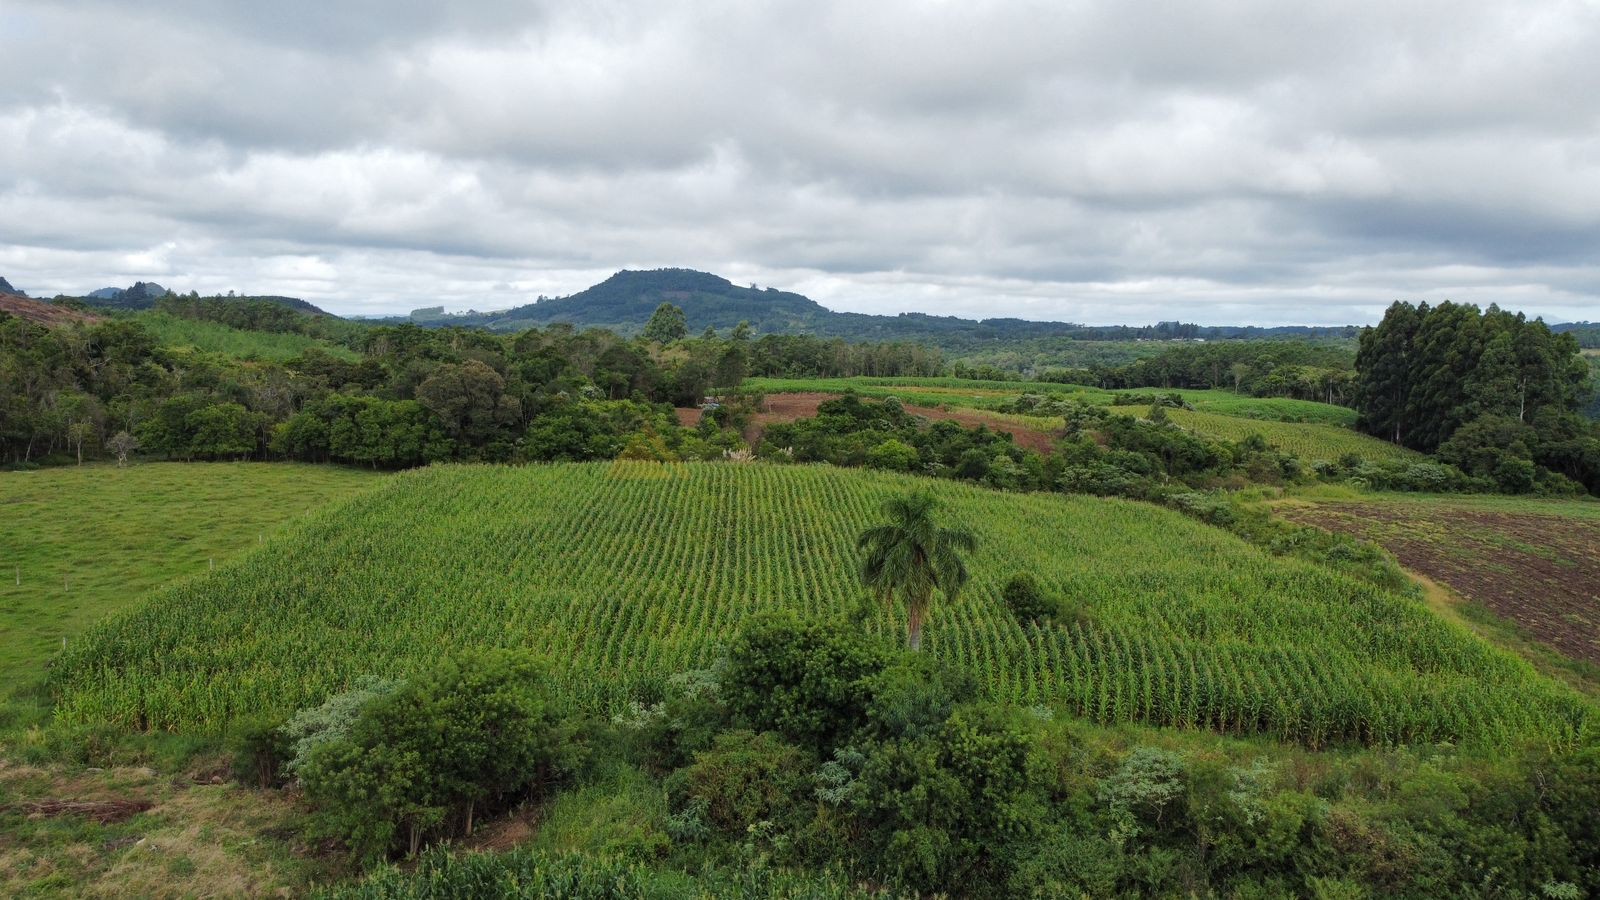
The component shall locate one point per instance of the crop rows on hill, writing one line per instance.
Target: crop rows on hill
(622, 573)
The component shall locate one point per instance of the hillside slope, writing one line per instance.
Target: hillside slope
(144, 296)
(40, 312)
(623, 573)
(215, 337)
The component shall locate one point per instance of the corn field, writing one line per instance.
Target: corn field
(622, 573)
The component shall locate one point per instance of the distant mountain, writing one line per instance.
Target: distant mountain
(625, 301)
(6, 288)
(142, 295)
(294, 303)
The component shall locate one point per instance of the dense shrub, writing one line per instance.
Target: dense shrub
(952, 811)
(260, 750)
(329, 721)
(743, 779)
(1026, 599)
(808, 681)
(894, 456)
(524, 873)
(913, 698)
(466, 734)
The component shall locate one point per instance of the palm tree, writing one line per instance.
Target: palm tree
(912, 556)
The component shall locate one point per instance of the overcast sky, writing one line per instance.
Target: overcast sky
(1219, 161)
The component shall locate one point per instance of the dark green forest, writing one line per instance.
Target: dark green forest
(1488, 391)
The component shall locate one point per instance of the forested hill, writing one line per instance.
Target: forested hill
(146, 296)
(625, 301)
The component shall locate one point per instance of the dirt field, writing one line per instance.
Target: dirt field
(789, 407)
(41, 313)
(1540, 571)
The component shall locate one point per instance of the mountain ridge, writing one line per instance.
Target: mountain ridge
(624, 302)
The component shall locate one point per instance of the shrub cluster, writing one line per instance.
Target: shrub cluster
(871, 767)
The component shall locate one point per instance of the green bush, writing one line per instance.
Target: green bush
(330, 721)
(522, 873)
(1147, 791)
(425, 758)
(666, 734)
(744, 779)
(1026, 599)
(894, 456)
(808, 681)
(913, 698)
(953, 812)
(260, 751)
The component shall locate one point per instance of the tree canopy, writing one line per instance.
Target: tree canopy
(1425, 374)
(912, 556)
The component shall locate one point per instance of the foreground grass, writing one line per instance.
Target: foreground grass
(134, 832)
(77, 544)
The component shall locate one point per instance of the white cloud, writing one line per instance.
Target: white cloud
(1096, 161)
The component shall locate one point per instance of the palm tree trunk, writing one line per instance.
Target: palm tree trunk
(916, 612)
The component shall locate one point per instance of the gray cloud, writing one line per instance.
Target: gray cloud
(1096, 161)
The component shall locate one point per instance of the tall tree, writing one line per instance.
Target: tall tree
(911, 555)
(1383, 365)
(667, 324)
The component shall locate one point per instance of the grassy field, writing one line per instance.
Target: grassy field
(1274, 409)
(624, 572)
(214, 337)
(79, 543)
(1310, 442)
(967, 393)
(127, 831)
(958, 392)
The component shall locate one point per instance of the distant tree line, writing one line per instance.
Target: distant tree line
(799, 356)
(1100, 452)
(1304, 370)
(413, 396)
(1488, 391)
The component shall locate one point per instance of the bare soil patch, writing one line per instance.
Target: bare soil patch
(41, 313)
(789, 407)
(1541, 572)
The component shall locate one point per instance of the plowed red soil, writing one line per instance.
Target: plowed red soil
(1540, 571)
(37, 311)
